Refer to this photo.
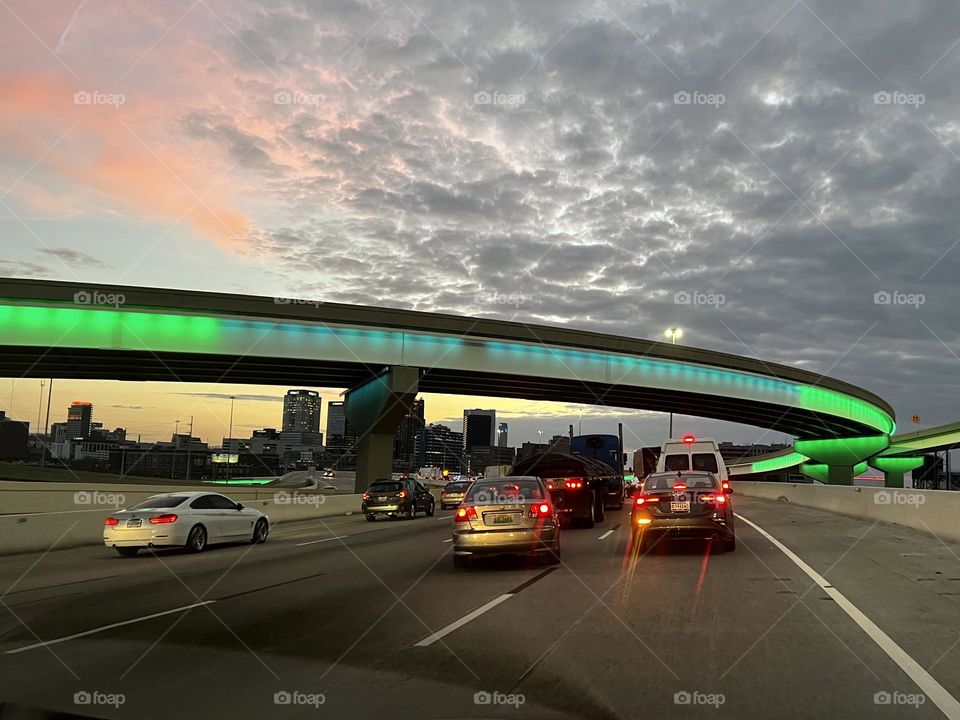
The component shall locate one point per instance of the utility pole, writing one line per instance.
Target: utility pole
(40, 409)
(46, 426)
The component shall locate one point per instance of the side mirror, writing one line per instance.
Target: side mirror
(239, 506)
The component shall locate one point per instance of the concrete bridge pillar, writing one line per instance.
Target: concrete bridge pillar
(374, 409)
(832, 474)
(840, 456)
(894, 468)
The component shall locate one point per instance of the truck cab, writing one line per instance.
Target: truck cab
(689, 453)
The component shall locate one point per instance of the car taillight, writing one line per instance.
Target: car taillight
(163, 519)
(111, 521)
(716, 499)
(366, 496)
(720, 499)
(539, 510)
(573, 484)
(679, 486)
(464, 514)
(642, 500)
(402, 493)
(550, 486)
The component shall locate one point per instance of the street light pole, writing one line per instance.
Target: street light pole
(230, 438)
(673, 333)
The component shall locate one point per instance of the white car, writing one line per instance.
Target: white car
(191, 520)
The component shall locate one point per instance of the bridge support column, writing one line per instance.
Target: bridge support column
(894, 468)
(374, 410)
(833, 474)
(843, 458)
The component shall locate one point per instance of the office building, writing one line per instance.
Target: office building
(404, 439)
(301, 411)
(479, 428)
(440, 447)
(79, 420)
(341, 440)
(502, 432)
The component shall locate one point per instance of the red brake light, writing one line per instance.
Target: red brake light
(679, 486)
(689, 439)
(539, 510)
(111, 521)
(366, 496)
(720, 499)
(574, 484)
(464, 514)
(163, 519)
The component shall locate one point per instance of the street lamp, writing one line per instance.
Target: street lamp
(541, 436)
(673, 333)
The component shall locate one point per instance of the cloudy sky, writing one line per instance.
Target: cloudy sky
(780, 179)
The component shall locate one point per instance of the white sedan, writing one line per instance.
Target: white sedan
(190, 520)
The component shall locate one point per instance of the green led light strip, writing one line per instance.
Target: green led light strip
(127, 328)
(778, 463)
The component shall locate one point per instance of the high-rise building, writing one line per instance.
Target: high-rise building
(13, 438)
(79, 420)
(404, 439)
(479, 428)
(301, 411)
(341, 439)
(440, 447)
(502, 432)
(336, 419)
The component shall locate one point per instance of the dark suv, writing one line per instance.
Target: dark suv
(683, 505)
(396, 498)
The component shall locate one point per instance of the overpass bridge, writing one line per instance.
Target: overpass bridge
(385, 356)
(902, 455)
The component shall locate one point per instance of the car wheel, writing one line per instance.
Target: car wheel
(591, 520)
(128, 551)
(197, 539)
(461, 561)
(412, 512)
(371, 517)
(260, 531)
(431, 509)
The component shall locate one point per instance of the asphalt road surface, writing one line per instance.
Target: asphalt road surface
(342, 618)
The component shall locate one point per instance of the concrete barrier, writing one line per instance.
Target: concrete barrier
(39, 516)
(932, 511)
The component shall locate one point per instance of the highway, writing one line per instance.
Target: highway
(361, 620)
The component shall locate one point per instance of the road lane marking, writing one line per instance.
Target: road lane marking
(443, 632)
(107, 627)
(948, 704)
(449, 540)
(314, 542)
(608, 533)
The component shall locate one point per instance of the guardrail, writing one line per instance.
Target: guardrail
(932, 511)
(39, 516)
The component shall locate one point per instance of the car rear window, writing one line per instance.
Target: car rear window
(162, 501)
(505, 492)
(666, 482)
(705, 462)
(675, 463)
(385, 487)
(456, 487)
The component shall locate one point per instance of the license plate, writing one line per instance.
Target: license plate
(381, 499)
(683, 506)
(135, 522)
(502, 519)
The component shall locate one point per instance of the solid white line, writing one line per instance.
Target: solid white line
(932, 689)
(449, 540)
(314, 542)
(607, 534)
(107, 627)
(430, 639)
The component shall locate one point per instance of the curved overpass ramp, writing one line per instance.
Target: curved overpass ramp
(60, 329)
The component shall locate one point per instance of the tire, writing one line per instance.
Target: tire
(128, 551)
(599, 516)
(260, 532)
(730, 545)
(431, 509)
(461, 561)
(412, 510)
(591, 519)
(197, 539)
(371, 517)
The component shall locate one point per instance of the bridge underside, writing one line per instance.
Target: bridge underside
(82, 364)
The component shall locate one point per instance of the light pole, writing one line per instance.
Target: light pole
(230, 438)
(673, 333)
(541, 436)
